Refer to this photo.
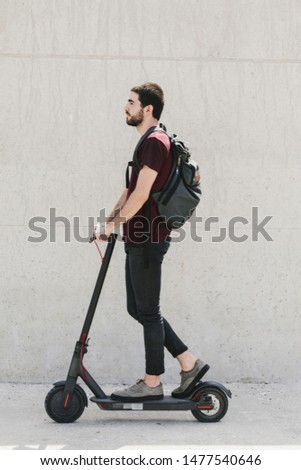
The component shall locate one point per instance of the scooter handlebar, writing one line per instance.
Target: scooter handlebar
(102, 237)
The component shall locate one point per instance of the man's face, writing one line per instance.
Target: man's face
(133, 110)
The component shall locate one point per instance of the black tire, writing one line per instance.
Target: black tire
(220, 402)
(55, 409)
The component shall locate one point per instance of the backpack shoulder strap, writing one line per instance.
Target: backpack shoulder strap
(140, 142)
(127, 174)
(134, 162)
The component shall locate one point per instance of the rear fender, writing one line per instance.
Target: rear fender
(201, 385)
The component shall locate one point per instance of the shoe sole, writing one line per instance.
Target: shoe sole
(136, 399)
(189, 389)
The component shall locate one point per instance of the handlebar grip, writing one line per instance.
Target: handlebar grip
(102, 236)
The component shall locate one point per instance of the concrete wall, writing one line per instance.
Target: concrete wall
(231, 73)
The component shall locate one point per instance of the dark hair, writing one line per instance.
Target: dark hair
(151, 93)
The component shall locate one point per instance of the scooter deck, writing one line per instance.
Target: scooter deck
(167, 403)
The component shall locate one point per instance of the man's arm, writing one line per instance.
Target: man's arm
(118, 206)
(100, 226)
(136, 200)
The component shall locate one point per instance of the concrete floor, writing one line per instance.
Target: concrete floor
(259, 414)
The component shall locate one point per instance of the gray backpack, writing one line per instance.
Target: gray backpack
(182, 191)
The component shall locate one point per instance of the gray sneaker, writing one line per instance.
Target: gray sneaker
(139, 392)
(190, 378)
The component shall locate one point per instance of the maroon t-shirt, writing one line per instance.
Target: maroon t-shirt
(155, 152)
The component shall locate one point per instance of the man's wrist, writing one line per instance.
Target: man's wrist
(109, 228)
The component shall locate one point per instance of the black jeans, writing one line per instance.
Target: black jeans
(143, 285)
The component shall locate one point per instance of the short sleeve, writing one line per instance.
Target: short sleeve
(154, 154)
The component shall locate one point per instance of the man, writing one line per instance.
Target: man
(147, 240)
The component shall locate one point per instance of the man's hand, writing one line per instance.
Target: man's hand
(103, 229)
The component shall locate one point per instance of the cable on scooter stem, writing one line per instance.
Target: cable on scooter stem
(84, 335)
(93, 239)
(98, 249)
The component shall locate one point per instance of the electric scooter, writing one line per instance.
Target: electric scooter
(66, 401)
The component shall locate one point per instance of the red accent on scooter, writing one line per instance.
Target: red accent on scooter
(66, 401)
(82, 356)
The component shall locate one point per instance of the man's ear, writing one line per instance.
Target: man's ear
(149, 110)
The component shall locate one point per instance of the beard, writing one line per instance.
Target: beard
(135, 120)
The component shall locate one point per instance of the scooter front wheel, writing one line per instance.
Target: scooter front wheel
(213, 404)
(55, 409)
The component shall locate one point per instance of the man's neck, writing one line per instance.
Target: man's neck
(145, 125)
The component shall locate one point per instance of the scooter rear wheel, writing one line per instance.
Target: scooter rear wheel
(215, 397)
(55, 409)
